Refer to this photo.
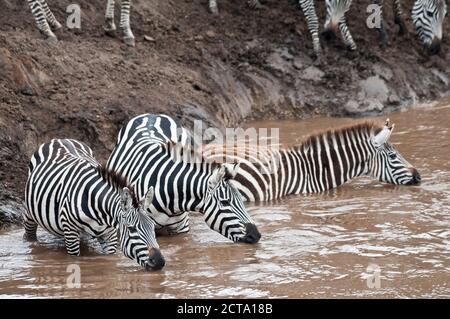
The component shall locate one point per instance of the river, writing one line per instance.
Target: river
(363, 239)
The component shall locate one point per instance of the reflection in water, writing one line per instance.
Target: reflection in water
(319, 245)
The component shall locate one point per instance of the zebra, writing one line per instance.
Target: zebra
(144, 153)
(47, 23)
(427, 17)
(322, 162)
(309, 11)
(69, 193)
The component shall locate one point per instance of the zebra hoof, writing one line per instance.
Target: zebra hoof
(214, 10)
(129, 41)
(255, 5)
(110, 32)
(30, 237)
(52, 40)
(56, 26)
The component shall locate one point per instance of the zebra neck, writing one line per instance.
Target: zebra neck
(324, 164)
(105, 200)
(190, 181)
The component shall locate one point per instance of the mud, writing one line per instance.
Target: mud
(241, 65)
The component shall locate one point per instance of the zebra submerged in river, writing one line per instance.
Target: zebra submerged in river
(69, 193)
(322, 162)
(143, 153)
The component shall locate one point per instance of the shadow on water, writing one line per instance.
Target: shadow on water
(364, 239)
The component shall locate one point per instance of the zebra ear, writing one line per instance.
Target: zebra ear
(147, 202)
(126, 200)
(384, 135)
(231, 170)
(217, 175)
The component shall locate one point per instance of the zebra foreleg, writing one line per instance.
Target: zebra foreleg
(313, 23)
(213, 8)
(109, 242)
(346, 35)
(54, 24)
(30, 229)
(41, 20)
(110, 26)
(72, 239)
(127, 34)
(398, 19)
(381, 29)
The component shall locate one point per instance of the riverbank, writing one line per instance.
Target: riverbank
(238, 66)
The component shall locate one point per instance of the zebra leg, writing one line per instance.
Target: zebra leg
(254, 4)
(54, 24)
(180, 226)
(109, 27)
(213, 7)
(109, 242)
(72, 239)
(128, 36)
(346, 35)
(41, 20)
(398, 17)
(30, 229)
(313, 23)
(381, 29)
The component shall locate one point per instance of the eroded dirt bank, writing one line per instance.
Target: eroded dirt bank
(240, 65)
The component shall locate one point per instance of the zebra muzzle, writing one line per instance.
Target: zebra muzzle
(252, 235)
(415, 177)
(155, 259)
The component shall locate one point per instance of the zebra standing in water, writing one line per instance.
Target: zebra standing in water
(68, 193)
(144, 154)
(322, 162)
(47, 23)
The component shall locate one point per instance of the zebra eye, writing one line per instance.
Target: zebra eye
(393, 156)
(430, 14)
(132, 228)
(225, 202)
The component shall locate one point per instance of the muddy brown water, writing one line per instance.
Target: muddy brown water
(364, 239)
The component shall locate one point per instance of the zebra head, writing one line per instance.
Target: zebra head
(387, 164)
(224, 208)
(428, 17)
(137, 231)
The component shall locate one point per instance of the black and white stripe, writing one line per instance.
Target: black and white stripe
(69, 193)
(428, 18)
(151, 152)
(324, 161)
(46, 21)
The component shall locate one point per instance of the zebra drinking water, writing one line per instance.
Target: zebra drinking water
(69, 193)
(322, 162)
(143, 153)
(47, 23)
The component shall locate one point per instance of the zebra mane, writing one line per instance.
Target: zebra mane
(367, 127)
(117, 181)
